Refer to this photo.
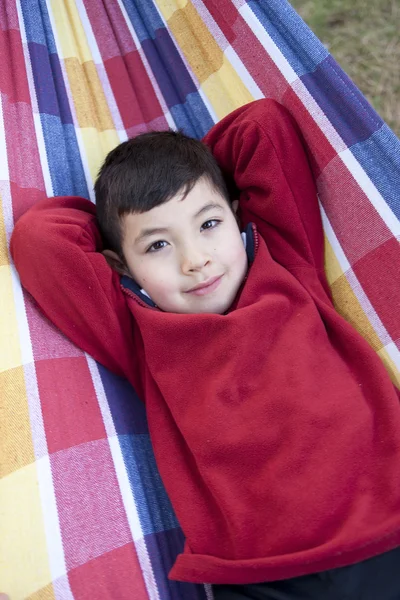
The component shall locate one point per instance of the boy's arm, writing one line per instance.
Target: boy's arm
(56, 247)
(260, 149)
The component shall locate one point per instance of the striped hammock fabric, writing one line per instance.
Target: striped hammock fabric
(83, 513)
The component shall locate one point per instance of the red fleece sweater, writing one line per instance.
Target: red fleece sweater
(275, 427)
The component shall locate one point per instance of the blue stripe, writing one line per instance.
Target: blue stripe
(63, 156)
(294, 38)
(37, 23)
(153, 505)
(163, 548)
(144, 17)
(128, 412)
(192, 117)
(380, 158)
(49, 83)
(344, 105)
(168, 68)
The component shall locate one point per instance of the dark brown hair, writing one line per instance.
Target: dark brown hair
(147, 171)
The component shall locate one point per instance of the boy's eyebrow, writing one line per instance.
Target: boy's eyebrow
(148, 232)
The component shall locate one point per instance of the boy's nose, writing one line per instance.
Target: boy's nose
(194, 260)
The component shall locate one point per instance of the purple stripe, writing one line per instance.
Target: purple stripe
(168, 68)
(127, 410)
(163, 548)
(49, 83)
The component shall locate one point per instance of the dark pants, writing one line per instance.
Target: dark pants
(377, 578)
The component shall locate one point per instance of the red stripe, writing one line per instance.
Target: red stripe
(70, 409)
(355, 221)
(378, 274)
(13, 80)
(116, 574)
(22, 152)
(47, 341)
(133, 90)
(109, 27)
(91, 514)
(129, 81)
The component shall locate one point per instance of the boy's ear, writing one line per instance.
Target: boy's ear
(116, 263)
(235, 207)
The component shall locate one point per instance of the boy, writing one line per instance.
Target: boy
(275, 426)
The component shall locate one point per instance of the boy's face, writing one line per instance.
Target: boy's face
(188, 255)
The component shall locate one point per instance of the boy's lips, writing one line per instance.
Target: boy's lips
(205, 287)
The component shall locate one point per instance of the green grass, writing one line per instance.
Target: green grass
(363, 36)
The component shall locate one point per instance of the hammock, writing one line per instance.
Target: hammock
(83, 513)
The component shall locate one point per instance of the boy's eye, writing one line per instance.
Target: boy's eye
(156, 246)
(210, 224)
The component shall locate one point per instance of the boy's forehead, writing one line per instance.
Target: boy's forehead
(176, 210)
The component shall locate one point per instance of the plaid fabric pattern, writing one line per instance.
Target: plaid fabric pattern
(83, 513)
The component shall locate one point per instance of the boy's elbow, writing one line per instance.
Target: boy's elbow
(25, 243)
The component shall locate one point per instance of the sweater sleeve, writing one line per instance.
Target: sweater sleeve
(262, 154)
(56, 247)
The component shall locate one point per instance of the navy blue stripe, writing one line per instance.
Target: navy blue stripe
(294, 38)
(65, 165)
(344, 105)
(380, 158)
(153, 505)
(163, 548)
(127, 410)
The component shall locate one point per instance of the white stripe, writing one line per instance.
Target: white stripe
(370, 190)
(43, 154)
(71, 105)
(243, 73)
(334, 242)
(279, 59)
(62, 590)
(169, 118)
(55, 549)
(25, 343)
(87, 27)
(124, 484)
(394, 353)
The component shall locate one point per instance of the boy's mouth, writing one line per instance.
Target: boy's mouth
(205, 287)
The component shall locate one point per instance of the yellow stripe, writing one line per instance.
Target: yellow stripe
(225, 90)
(169, 7)
(70, 31)
(333, 269)
(219, 81)
(10, 355)
(196, 42)
(89, 101)
(3, 241)
(97, 145)
(24, 567)
(348, 306)
(16, 450)
(46, 593)
(390, 366)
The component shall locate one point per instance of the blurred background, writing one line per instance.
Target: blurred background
(364, 37)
